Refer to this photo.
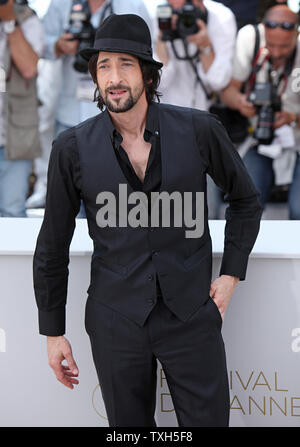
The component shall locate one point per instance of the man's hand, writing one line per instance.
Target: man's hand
(161, 49)
(221, 291)
(7, 11)
(65, 45)
(201, 38)
(59, 349)
(245, 107)
(282, 118)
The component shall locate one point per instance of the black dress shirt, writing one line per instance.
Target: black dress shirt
(219, 159)
(152, 179)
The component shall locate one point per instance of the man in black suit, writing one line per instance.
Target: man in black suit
(140, 168)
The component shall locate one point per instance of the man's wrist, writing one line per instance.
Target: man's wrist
(294, 119)
(9, 26)
(51, 338)
(233, 278)
(57, 49)
(206, 51)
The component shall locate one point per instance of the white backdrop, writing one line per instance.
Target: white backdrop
(261, 332)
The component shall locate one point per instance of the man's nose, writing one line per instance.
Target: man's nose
(276, 53)
(177, 4)
(115, 76)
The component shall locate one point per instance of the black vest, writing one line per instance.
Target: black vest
(126, 260)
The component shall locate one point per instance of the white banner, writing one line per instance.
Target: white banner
(261, 333)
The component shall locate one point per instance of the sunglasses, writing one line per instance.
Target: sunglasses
(287, 26)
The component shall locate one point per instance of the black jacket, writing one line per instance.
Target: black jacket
(126, 260)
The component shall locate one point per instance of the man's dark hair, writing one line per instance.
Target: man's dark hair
(151, 77)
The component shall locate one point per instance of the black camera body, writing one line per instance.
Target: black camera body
(186, 24)
(82, 30)
(264, 96)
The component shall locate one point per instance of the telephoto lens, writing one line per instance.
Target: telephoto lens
(265, 127)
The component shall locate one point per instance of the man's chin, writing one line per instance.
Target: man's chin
(119, 108)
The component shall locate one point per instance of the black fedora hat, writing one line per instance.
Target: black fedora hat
(123, 33)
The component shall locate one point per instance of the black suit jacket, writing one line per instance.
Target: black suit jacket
(126, 259)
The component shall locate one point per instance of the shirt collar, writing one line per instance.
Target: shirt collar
(151, 128)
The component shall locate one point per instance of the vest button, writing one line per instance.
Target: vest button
(150, 301)
(150, 277)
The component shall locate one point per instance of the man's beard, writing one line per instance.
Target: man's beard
(116, 105)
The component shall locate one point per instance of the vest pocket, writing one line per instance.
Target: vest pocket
(22, 135)
(113, 266)
(197, 258)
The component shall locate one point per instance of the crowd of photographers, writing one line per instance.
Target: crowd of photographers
(235, 59)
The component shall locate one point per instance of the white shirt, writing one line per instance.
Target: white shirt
(178, 81)
(242, 69)
(34, 34)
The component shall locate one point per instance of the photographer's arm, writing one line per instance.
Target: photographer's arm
(22, 53)
(234, 99)
(54, 23)
(283, 117)
(161, 50)
(66, 46)
(216, 52)
(203, 42)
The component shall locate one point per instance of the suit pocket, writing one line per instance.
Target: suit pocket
(215, 310)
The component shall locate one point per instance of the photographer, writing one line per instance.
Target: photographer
(21, 44)
(271, 101)
(195, 65)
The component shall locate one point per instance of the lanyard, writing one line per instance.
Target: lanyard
(263, 57)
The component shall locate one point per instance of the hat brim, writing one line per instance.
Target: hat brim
(87, 53)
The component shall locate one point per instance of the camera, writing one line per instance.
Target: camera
(265, 98)
(186, 24)
(82, 30)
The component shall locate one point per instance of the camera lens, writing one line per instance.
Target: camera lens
(265, 131)
(81, 64)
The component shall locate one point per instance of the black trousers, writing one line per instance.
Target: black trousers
(192, 356)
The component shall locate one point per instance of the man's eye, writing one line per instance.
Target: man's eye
(102, 66)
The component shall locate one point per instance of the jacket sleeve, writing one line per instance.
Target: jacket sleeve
(51, 257)
(54, 23)
(228, 171)
(223, 41)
